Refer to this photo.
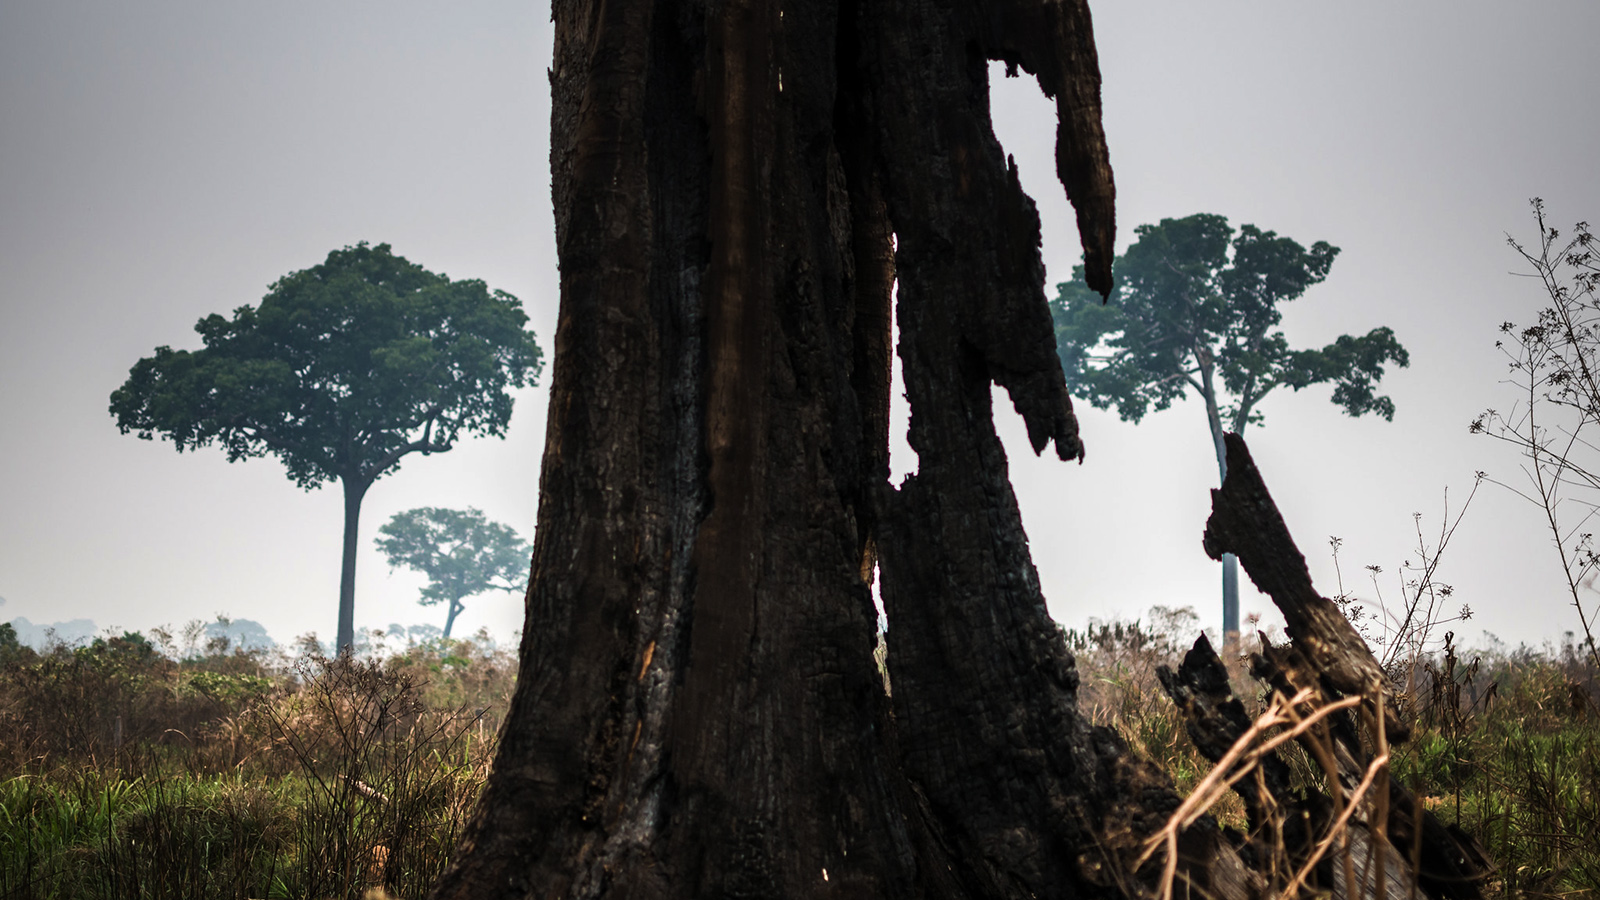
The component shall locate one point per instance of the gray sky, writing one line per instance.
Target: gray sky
(164, 160)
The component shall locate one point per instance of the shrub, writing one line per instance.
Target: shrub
(235, 777)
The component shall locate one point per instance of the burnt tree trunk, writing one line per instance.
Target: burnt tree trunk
(738, 186)
(1363, 835)
(1403, 845)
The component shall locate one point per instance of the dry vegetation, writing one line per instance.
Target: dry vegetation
(130, 774)
(1506, 743)
(131, 768)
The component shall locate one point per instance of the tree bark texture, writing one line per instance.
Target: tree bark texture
(1245, 522)
(738, 187)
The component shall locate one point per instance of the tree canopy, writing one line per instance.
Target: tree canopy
(344, 369)
(461, 551)
(1191, 287)
(1194, 303)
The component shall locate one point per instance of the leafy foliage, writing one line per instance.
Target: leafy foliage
(1192, 298)
(10, 647)
(1193, 304)
(344, 368)
(461, 552)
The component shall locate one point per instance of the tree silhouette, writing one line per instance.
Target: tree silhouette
(1195, 309)
(343, 370)
(462, 553)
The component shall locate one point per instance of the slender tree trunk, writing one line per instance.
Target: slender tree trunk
(1230, 563)
(1230, 596)
(450, 618)
(354, 491)
(698, 714)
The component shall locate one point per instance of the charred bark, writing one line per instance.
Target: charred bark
(1393, 840)
(1245, 522)
(1215, 720)
(738, 184)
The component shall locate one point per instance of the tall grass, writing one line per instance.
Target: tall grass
(1509, 751)
(127, 774)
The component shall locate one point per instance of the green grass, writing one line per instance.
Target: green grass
(1506, 745)
(1519, 770)
(240, 777)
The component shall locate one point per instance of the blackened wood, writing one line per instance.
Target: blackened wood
(697, 713)
(1245, 522)
(1215, 720)
(1033, 801)
(1449, 862)
(1329, 656)
(1053, 41)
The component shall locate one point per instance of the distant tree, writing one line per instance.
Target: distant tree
(413, 634)
(1195, 307)
(345, 368)
(238, 634)
(10, 648)
(462, 553)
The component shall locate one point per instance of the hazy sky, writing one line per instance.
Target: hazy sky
(161, 161)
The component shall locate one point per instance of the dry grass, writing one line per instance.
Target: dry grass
(237, 775)
(1506, 744)
(234, 775)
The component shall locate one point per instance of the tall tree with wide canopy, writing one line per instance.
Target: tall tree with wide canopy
(343, 370)
(1196, 308)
